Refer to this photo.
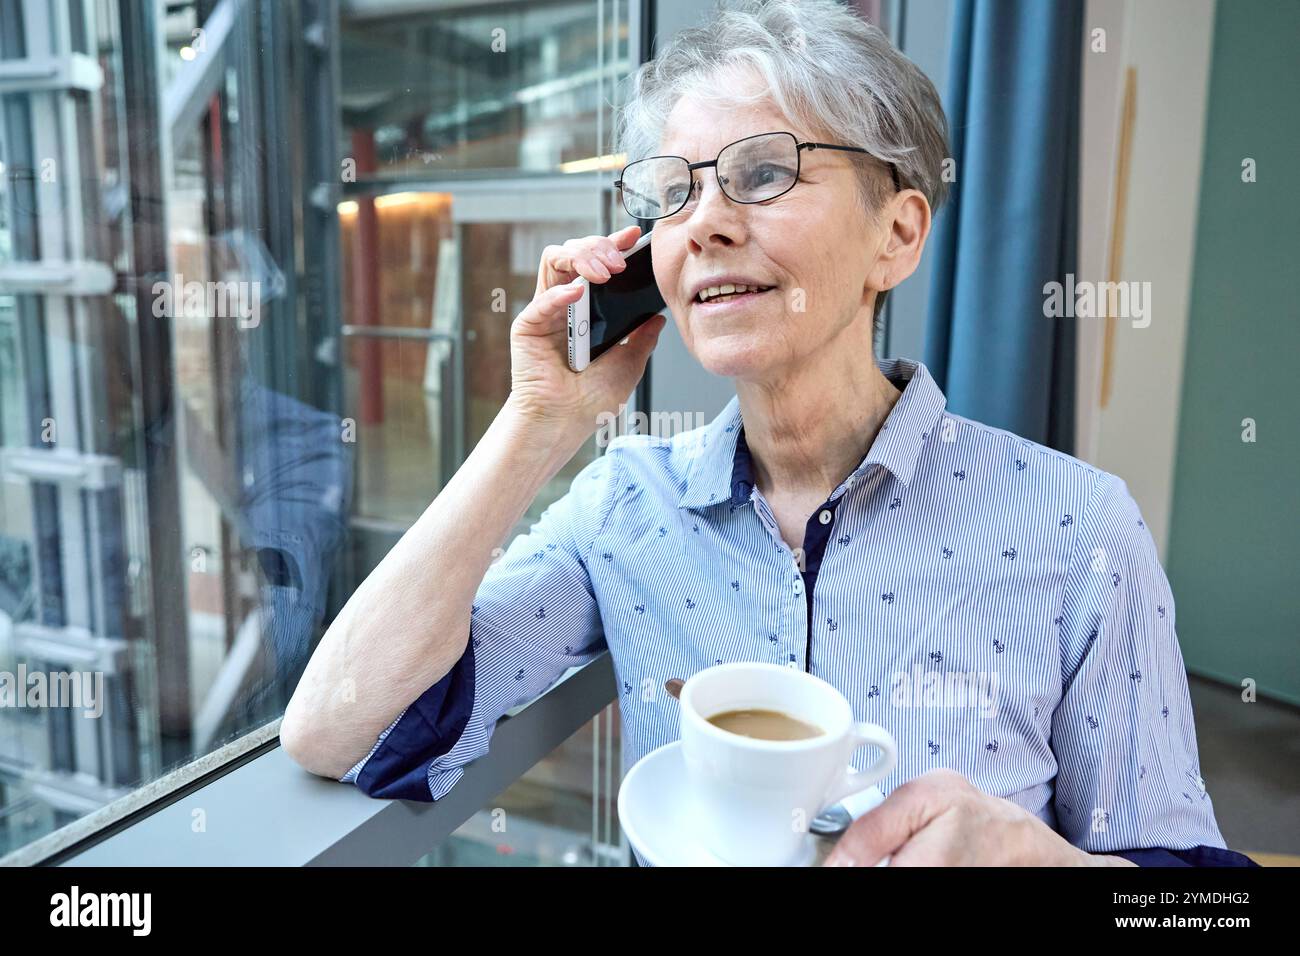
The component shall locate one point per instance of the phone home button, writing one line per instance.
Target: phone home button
(582, 327)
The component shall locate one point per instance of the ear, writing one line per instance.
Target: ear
(906, 223)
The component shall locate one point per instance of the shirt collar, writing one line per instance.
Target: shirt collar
(721, 467)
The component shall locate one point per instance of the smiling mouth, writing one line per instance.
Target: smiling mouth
(730, 293)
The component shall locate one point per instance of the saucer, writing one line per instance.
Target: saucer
(656, 813)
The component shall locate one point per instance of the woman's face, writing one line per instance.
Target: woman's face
(815, 246)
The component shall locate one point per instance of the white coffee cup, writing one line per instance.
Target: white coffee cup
(756, 798)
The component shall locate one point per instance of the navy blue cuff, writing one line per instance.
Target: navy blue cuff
(1193, 856)
(399, 768)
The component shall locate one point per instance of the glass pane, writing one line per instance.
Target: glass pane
(441, 285)
(242, 348)
(514, 87)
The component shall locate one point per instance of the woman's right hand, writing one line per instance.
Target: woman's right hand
(545, 392)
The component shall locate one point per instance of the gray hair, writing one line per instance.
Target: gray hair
(823, 66)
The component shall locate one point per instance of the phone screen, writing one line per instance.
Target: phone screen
(627, 300)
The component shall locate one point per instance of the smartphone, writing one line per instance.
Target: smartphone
(609, 312)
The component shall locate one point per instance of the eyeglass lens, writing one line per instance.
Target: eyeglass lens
(751, 170)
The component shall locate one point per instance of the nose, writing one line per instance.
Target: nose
(715, 219)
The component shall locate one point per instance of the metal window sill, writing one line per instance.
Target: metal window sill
(268, 811)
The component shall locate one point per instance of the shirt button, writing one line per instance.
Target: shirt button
(794, 664)
(825, 516)
(798, 587)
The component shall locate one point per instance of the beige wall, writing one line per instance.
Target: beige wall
(1169, 44)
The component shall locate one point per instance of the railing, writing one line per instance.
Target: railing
(265, 810)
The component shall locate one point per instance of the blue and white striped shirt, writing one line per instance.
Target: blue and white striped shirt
(997, 605)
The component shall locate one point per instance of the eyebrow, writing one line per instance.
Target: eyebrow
(667, 151)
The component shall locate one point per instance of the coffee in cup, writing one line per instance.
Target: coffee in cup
(756, 794)
(764, 724)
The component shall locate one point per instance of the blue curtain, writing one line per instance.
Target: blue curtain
(1013, 111)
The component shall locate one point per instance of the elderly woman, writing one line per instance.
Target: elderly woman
(835, 517)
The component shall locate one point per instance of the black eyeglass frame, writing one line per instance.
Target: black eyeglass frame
(691, 167)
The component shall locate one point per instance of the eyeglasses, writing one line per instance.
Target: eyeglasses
(753, 169)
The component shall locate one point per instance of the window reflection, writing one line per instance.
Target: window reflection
(256, 282)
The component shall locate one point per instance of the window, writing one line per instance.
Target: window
(258, 263)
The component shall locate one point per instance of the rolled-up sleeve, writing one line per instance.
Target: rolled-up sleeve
(1128, 773)
(535, 616)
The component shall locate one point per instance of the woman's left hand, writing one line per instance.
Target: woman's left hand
(941, 819)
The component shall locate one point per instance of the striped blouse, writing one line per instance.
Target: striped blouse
(997, 605)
